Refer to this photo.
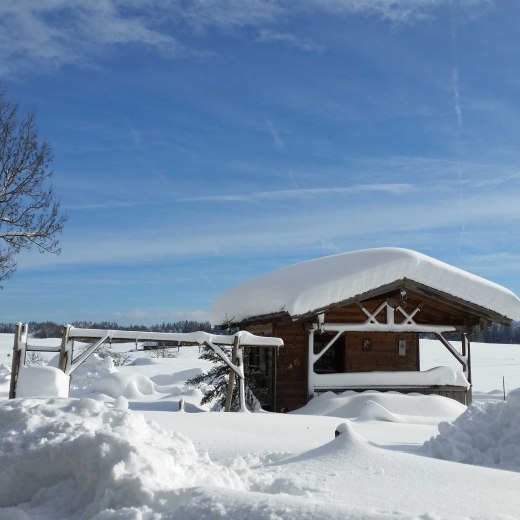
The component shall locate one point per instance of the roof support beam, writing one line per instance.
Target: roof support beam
(463, 358)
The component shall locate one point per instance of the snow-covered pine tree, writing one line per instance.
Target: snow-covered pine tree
(215, 382)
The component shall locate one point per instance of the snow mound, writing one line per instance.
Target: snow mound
(384, 406)
(5, 372)
(373, 411)
(81, 459)
(142, 361)
(89, 371)
(347, 446)
(131, 386)
(487, 434)
(176, 377)
(37, 381)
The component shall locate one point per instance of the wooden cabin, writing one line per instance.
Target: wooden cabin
(352, 322)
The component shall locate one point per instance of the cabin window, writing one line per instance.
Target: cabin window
(333, 359)
(259, 360)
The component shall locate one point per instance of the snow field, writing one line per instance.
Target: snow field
(80, 458)
(121, 449)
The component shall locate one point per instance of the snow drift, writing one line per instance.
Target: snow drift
(36, 381)
(384, 406)
(84, 458)
(487, 434)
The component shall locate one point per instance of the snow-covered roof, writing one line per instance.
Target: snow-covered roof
(314, 285)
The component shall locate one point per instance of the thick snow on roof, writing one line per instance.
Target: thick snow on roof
(313, 285)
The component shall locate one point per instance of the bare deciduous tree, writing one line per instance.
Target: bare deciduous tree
(29, 213)
(35, 358)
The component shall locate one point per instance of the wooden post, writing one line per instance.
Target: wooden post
(231, 379)
(242, 382)
(466, 354)
(17, 355)
(466, 351)
(463, 360)
(310, 362)
(274, 357)
(64, 354)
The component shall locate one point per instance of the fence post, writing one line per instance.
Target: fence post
(20, 344)
(231, 379)
(64, 360)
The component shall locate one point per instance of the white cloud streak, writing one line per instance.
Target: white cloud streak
(347, 226)
(455, 71)
(305, 44)
(305, 193)
(54, 33)
(275, 134)
(393, 10)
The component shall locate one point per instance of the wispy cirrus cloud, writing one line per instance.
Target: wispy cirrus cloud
(275, 134)
(305, 44)
(54, 33)
(305, 193)
(391, 221)
(394, 10)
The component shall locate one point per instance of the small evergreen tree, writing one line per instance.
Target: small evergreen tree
(216, 380)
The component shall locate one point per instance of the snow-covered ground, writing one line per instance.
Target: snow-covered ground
(120, 448)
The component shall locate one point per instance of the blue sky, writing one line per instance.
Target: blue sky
(199, 143)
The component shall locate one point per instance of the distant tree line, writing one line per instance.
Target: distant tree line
(503, 334)
(493, 334)
(50, 329)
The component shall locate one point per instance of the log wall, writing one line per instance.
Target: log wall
(367, 352)
(291, 366)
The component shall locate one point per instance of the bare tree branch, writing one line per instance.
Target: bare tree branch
(29, 213)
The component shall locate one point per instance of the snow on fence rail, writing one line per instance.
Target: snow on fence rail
(68, 363)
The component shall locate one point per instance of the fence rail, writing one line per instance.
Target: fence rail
(219, 343)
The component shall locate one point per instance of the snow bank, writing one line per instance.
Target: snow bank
(36, 381)
(487, 434)
(303, 288)
(384, 406)
(80, 458)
